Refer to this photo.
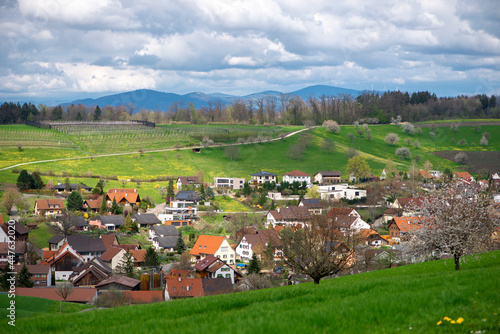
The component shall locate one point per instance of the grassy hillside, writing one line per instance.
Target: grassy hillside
(399, 300)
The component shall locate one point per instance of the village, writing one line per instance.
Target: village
(174, 258)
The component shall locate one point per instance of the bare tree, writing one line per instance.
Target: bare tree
(63, 226)
(206, 142)
(232, 152)
(64, 290)
(327, 145)
(253, 282)
(457, 221)
(316, 250)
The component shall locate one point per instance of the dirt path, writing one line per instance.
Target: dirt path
(145, 151)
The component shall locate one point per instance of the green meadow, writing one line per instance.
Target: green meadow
(413, 298)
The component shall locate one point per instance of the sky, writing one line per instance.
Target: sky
(60, 50)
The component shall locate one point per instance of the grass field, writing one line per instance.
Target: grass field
(400, 300)
(31, 307)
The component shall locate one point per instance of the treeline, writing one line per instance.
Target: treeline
(368, 107)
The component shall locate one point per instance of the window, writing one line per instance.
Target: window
(43, 282)
(224, 257)
(183, 288)
(175, 288)
(228, 275)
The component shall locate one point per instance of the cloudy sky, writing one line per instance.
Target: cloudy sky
(64, 49)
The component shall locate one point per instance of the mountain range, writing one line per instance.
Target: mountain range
(154, 100)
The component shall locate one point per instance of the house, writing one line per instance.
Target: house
(164, 237)
(90, 274)
(87, 247)
(138, 255)
(79, 295)
(347, 224)
(182, 211)
(125, 197)
(49, 207)
(234, 183)
(313, 205)
(289, 216)
(21, 233)
(401, 227)
(425, 175)
(40, 274)
(92, 205)
(119, 283)
(259, 242)
(213, 267)
(188, 181)
(343, 190)
(109, 240)
(145, 220)
(167, 243)
(408, 206)
(72, 187)
(163, 231)
(18, 254)
(372, 238)
(110, 223)
(327, 177)
(263, 177)
(196, 287)
(113, 257)
(217, 246)
(56, 242)
(178, 273)
(62, 262)
(334, 212)
(463, 176)
(79, 223)
(389, 214)
(297, 176)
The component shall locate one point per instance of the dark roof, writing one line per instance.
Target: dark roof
(56, 239)
(109, 240)
(291, 213)
(165, 230)
(167, 242)
(216, 286)
(19, 228)
(72, 187)
(120, 280)
(34, 268)
(312, 203)
(263, 173)
(188, 195)
(19, 246)
(146, 218)
(110, 253)
(329, 173)
(263, 237)
(116, 220)
(77, 221)
(206, 262)
(81, 243)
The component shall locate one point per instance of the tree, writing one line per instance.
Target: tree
(209, 193)
(461, 158)
(99, 188)
(63, 226)
(331, 126)
(184, 262)
(64, 290)
(358, 167)
(313, 192)
(97, 113)
(130, 225)
(23, 278)
(170, 190)
(115, 208)
(126, 265)
(6, 277)
(180, 246)
(206, 142)
(67, 186)
(403, 153)
(391, 139)
(254, 265)
(151, 259)
(315, 249)
(74, 201)
(38, 182)
(483, 141)
(25, 181)
(328, 145)
(232, 152)
(10, 198)
(104, 206)
(457, 221)
(253, 282)
(454, 127)
(390, 169)
(408, 128)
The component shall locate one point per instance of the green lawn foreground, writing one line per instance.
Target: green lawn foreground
(399, 300)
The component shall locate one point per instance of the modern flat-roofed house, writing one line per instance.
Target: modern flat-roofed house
(263, 177)
(188, 181)
(327, 177)
(182, 211)
(297, 176)
(229, 182)
(49, 207)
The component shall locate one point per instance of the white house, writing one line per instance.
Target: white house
(297, 176)
(258, 242)
(213, 267)
(289, 216)
(213, 245)
(341, 190)
(229, 182)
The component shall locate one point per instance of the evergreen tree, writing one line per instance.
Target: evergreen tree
(79, 116)
(151, 259)
(246, 189)
(126, 265)
(180, 246)
(115, 208)
(170, 189)
(104, 207)
(99, 188)
(24, 279)
(130, 225)
(209, 193)
(254, 265)
(67, 186)
(97, 113)
(201, 190)
(75, 201)
(4, 278)
(38, 182)
(25, 181)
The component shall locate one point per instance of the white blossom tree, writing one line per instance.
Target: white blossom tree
(391, 139)
(457, 221)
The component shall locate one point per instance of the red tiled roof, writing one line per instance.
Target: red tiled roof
(45, 204)
(188, 180)
(120, 280)
(291, 213)
(463, 175)
(130, 195)
(144, 297)
(175, 273)
(109, 240)
(296, 173)
(138, 254)
(128, 247)
(94, 203)
(110, 253)
(206, 244)
(407, 224)
(334, 212)
(409, 202)
(34, 268)
(84, 295)
(187, 287)
(426, 174)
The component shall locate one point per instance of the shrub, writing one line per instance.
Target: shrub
(462, 142)
(331, 126)
(483, 141)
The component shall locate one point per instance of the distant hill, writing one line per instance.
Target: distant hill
(154, 100)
